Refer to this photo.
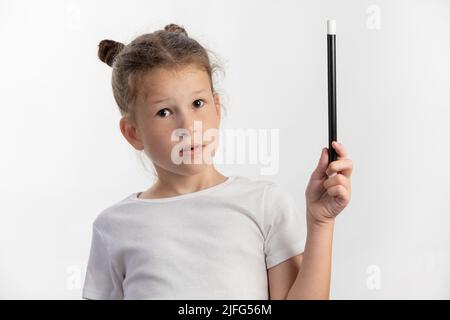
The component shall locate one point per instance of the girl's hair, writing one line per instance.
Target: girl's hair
(169, 48)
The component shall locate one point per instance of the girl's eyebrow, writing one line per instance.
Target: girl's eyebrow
(164, 99)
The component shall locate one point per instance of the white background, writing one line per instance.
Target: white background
(63, 158)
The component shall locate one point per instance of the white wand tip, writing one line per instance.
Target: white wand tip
(331, 26)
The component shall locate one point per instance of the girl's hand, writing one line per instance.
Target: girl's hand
(327, 196)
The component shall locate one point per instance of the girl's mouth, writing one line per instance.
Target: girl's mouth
(192, 150)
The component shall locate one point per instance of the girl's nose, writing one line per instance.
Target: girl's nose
(190, 122)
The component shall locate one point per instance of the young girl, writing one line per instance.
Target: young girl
(195, 233)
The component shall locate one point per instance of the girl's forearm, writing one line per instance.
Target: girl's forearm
(313, 279)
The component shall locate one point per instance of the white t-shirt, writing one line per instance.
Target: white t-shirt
(216, 243)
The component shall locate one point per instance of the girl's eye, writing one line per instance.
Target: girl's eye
(195, 104)
(162, 113)
(165, 112)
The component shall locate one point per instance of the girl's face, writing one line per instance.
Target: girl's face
(175, 104)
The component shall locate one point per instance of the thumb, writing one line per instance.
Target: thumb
(322, 165)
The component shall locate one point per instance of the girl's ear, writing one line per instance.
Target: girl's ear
(131, 132)
(217, 103)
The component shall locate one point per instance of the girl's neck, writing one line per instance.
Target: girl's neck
(169, 184)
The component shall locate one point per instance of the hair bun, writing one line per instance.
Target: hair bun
(108, 50)
(175, 28)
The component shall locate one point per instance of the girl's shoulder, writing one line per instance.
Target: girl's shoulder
(110, 213)
(238, 189)
(266, 190)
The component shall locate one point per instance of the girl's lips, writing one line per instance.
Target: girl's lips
(193, 150)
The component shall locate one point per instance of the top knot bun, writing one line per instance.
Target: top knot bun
(175, 28)
(108, 50)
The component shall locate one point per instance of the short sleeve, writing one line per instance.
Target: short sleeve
(284, 226)
(101, 281)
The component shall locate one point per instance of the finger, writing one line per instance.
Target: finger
(344, 166)
(338, 179)
(339, 191)
(322, 165)
(340, 150)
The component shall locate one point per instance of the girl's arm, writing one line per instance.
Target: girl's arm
(327, 194)
(313, 278)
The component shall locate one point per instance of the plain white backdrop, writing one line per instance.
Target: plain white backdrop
(63, 158)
